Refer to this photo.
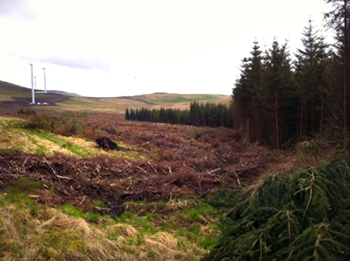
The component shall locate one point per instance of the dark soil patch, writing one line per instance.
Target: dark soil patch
(11, 107)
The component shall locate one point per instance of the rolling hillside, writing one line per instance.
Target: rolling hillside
(14, 97)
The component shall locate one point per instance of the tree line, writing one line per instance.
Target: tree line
(199, 114)
(278, 100)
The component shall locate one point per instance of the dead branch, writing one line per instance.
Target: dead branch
(141, 169)
(212, 171)
(54, 172)
(25, 161)
(128, 163)
(81, 202)
(149, 163)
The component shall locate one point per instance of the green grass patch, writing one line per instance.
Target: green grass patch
(146, 225)
(48, 136)
(13, 123)
(14, 93)
(194, 133)
(99, 203)
(79, 101)
(78, 151)
(126, 216)
(191, 222)
(74, 212)
(5, 98)
(25, 185)
(62, 142)
(78, 114)
(131, 154)
(177, 98)
(207, 241)
(194, 214)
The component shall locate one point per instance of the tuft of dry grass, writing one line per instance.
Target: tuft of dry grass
(42, 233)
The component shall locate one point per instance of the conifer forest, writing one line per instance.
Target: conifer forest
(209, 114)
(282, 97)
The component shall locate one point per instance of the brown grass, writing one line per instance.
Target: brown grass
(52, 235)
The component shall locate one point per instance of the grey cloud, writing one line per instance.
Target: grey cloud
(17, 8)
(87, 63)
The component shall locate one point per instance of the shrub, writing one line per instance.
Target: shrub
(66, 126)
(43, 122)
(27, 111)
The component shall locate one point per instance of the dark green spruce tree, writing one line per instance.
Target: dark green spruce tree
(278, 97)
(246, 103)
(338, 19)
(127, 114)
(310, 82)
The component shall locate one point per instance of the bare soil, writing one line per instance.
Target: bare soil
(24, 102)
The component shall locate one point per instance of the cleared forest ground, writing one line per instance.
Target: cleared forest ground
(151, 189)
(144, 201)
(158, 161)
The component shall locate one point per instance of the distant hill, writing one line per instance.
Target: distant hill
(14, 97)
(7, 88)
(62, 93)
(13, 89)
(166, 98)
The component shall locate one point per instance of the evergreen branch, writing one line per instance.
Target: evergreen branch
(308, 203)
(319, 236)
(261, 243)
(272, 223)
(289, 233)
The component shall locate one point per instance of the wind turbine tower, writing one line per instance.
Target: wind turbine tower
(33, 93)
(44, 79)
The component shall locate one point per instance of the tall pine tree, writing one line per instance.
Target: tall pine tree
(278, 95)
(338, 19)
(245, 100)
(309, 69)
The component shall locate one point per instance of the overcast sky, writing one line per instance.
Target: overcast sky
(114, 48)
